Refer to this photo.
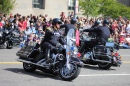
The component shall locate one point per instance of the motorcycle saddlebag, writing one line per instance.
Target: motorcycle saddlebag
(28, 50)
(100, 51)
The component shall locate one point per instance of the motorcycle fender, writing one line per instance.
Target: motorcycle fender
(77, 61)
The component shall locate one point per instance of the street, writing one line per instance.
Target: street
(12, 73)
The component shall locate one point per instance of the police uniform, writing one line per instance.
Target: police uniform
(51, 39)
(68, 27)
(102, 32)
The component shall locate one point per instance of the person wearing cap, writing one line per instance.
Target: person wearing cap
(103, 33)
(96, 25)
(52, 39)
(121, 38)
(32, 28)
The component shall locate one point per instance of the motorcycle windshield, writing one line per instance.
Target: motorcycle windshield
(70, 41)
(1, 33)
(71, 45)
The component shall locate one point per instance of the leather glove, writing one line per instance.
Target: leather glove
(64, 46)
(58, 45)
(81, 30)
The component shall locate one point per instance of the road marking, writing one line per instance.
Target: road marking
(10, 62)
(105, 75)
(126, 62)
(124, 55)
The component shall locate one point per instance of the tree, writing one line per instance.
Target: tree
(114, 9)
(111, 8)
(6, 6)
(90, 7)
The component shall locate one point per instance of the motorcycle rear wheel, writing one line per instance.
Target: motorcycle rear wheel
(29, 67)
(69, 75)
(104, 66)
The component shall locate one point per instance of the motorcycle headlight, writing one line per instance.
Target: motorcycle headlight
(73, 51)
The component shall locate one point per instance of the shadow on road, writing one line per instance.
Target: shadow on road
(37, 73)
(95, 67)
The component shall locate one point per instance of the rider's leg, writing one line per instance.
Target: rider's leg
(87, 44)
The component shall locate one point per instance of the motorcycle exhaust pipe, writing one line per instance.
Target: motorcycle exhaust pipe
(102, 61)
(29, 62)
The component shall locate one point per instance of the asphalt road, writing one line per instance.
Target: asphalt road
(12, 73)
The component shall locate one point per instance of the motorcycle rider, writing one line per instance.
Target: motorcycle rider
(52, 39)
(69, 26)
(102, 32)
(93, 34)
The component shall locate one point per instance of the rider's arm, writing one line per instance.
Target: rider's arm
(62, 41)
(91, 30)
(62, 26)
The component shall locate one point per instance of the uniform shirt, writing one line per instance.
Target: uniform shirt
(53, 37)
(102, 32)
(67, 27)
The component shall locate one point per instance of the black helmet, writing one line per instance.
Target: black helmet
(106, 21)
(96, 22)
(73, 21)
(55, 21)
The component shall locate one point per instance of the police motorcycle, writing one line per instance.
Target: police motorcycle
(104, 54)
(65, 62)
(6, 38)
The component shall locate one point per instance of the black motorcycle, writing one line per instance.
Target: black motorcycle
(6, 38)
(64, 61)
(104, 54)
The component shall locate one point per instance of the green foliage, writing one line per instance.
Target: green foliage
(111, 8)
(6, 6)
(90, 7)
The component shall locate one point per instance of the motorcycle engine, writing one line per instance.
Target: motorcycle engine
(86, 56)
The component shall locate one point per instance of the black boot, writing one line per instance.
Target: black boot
(47, 54)
(40, 56)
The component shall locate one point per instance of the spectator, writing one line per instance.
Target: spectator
(32, 28)
(20, 25)
(127, 39)
(1, 24)
(121, 39)
(24, 23)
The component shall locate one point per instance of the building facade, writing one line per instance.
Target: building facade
(125, 2)
(51, 7)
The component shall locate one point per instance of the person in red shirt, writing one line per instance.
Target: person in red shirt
(24, 23)
(114, 27)
(20, 25)
(1, 25)
(121, 39)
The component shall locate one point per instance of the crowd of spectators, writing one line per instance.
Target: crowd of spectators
(33, 27)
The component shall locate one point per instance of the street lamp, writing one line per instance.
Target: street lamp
(76, 6)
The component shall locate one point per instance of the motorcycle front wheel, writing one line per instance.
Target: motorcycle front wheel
(69, 74)
(29, 67)
(9, 44)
